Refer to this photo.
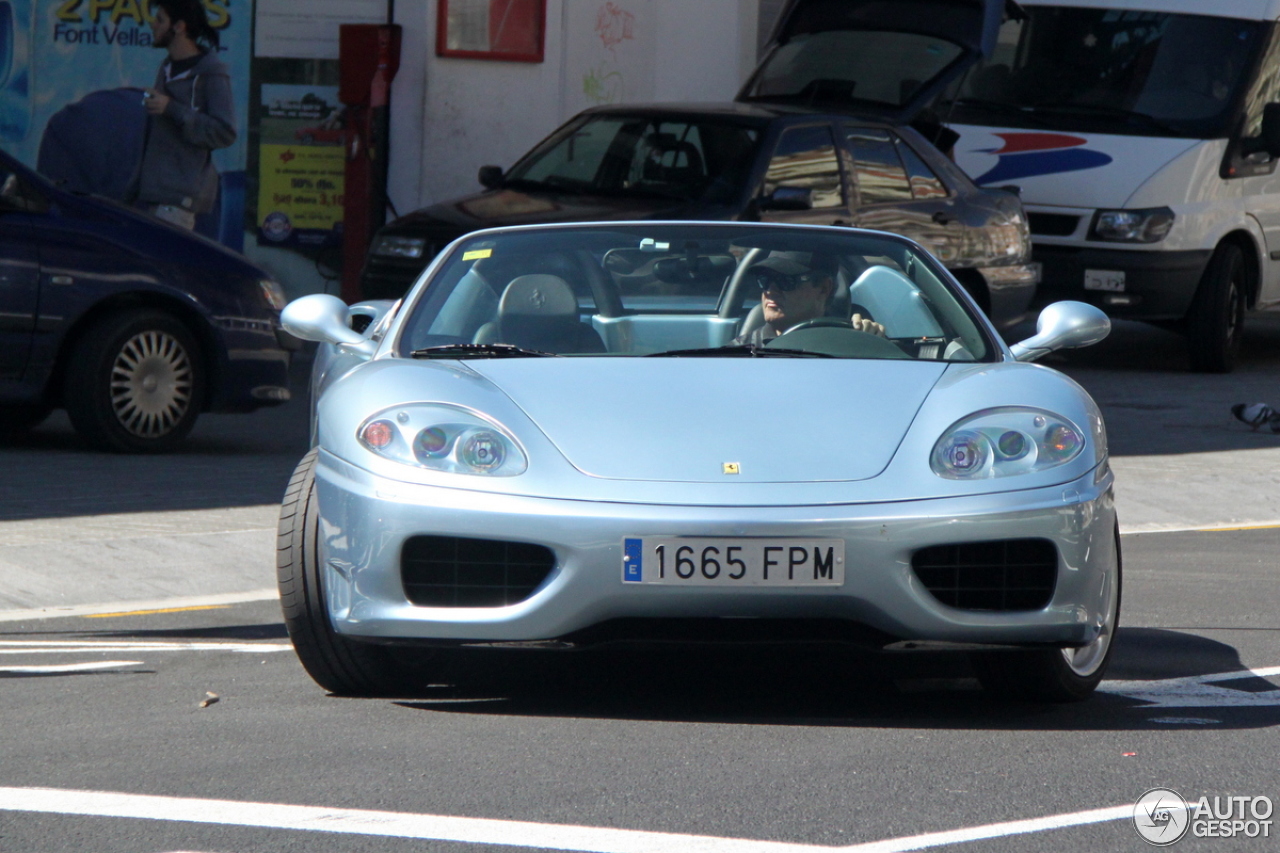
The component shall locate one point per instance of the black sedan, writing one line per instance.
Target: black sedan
(133, 326)
(736, 161)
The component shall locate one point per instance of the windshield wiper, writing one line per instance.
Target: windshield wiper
(1002, 107)
(1132, 117)
(741, 351)
(467, 351)
(541, 186)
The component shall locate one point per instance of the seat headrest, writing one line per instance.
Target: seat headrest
(538, 296)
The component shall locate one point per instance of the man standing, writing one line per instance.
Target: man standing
(191, 116)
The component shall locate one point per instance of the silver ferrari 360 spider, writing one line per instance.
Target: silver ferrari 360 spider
(621, 431)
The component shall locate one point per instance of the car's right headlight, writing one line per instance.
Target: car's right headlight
(393, 246)
(443, 438)
(1005, 442)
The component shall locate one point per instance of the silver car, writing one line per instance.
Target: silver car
(623, 431)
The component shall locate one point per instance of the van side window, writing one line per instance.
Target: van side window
(924, 183)
(881, 176)
(1265, 90)
(806, 157)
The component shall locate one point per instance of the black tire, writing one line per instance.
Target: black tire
(338, 664)
(1052, 675)
(18, 418)
(1215, 322)
(135, 382)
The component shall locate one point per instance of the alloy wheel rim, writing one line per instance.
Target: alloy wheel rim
(1085, 660)
(151, 381)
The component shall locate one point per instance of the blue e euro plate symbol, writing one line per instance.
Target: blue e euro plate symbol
(632, 563)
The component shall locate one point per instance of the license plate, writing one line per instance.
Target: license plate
(728, 562)
(1112, 280)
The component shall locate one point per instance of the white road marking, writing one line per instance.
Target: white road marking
(508, 833)
(1197, 691)
(154, 604)
(45, 647)
(69, 667)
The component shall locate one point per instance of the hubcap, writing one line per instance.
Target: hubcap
(1085, 660)
(151, 384)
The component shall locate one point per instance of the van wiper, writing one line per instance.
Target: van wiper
(1131, 117)
(1001, 107)
(468, 351)
(741, 351)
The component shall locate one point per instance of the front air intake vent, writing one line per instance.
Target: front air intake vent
(1053, 224)
(1006, 574)
(445, 571)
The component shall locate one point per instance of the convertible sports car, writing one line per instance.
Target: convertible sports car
(626, 431)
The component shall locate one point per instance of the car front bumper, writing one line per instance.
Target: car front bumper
(1158, 285)
(365, 521)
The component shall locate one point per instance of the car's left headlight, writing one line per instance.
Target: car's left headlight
(395, 246)
(443, 438)
(273, 293)
(1133, 226)
(1005, 442)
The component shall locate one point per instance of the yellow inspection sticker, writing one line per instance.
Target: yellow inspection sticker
(477, 255)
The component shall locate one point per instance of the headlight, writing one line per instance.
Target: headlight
(1133, 226)
(1005, 442)
(443, 438)
(399, 247)
(273, 293)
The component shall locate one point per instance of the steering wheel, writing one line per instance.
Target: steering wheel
(823, 323)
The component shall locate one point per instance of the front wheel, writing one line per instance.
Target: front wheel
(1055, 675)
(1215, 323)
(338, 664)
(135, 382)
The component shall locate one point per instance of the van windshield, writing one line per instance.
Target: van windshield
(1112, 71)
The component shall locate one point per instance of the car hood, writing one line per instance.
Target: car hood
(496, 208)
(686, 419)
(1089, 170)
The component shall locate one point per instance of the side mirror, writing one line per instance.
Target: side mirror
(788, 198)
(321, 318)
(1064, 325)
(491, 177)
(1270, 138)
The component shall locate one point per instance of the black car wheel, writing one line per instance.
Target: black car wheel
(338, 664)
(1054, 675)
(1215, 323)
(134, 382)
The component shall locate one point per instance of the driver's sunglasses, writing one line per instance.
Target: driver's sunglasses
(769, 280)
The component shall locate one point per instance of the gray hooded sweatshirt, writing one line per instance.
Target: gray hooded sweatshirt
(177, 166)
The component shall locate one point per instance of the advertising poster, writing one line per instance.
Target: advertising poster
(301, 166)
(53, 53)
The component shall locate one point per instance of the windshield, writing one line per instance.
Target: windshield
(850, 67)
(1112, 71)
(679, 157)
(690, 290)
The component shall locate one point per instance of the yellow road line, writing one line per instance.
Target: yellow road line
(1232, 529)
(151, 612)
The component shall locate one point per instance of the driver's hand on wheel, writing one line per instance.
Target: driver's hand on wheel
(868, 325)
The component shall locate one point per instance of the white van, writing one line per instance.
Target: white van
(1144, 135)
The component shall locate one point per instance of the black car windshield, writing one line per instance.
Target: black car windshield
(680, 157)
(691, 291)
(1112, 71)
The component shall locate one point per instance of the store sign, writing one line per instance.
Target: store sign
(301, 165)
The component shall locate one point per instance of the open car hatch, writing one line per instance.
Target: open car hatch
(886, 58)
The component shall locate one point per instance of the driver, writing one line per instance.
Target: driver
(796, 287)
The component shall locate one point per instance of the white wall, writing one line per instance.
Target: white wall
(451, 116)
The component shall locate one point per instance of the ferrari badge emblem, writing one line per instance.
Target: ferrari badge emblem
(732, 468)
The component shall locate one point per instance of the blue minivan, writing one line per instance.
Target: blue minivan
(133, 326)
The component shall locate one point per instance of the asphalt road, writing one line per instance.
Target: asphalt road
(132, 588)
